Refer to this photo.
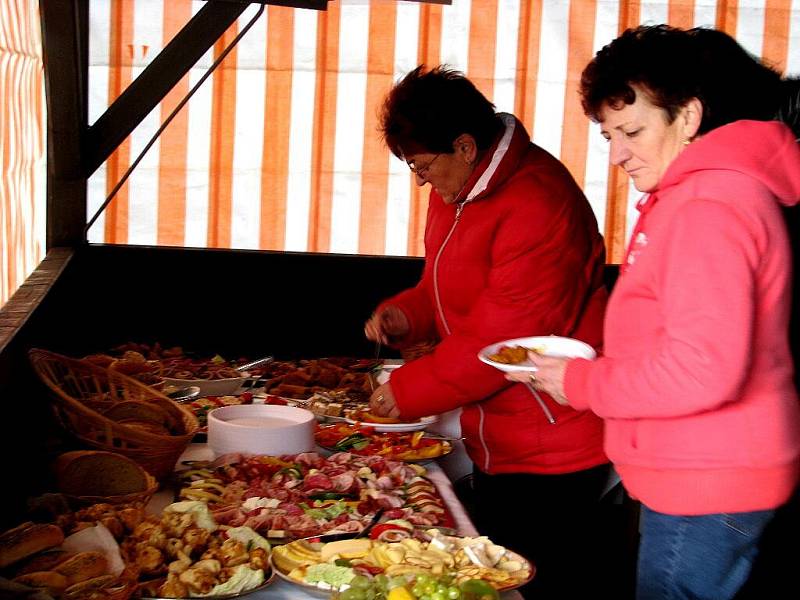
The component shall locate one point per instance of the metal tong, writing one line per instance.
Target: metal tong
(255, 363)
(550, 418)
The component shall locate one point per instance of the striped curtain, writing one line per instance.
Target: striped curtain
(22, 144)
(281, 150)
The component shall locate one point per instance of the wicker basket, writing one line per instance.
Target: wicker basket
(82, 391)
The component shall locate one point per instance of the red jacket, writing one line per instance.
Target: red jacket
(696, 386)
(518, 254)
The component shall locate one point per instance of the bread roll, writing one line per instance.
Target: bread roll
(45, 561)
(99, 473)
(83, 566)
(88, 588)
(55, 583)
(26, 540)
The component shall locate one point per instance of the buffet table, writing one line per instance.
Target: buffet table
(283, 590)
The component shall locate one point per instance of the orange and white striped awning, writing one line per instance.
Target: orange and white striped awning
(280, 150)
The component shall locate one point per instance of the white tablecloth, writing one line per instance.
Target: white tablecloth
(283, 590)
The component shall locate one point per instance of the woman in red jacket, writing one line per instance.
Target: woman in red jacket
(702, 416)
(512, 249)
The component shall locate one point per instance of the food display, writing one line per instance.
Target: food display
(181, 553)
(302, 495)
(332, 386)
(184, 553)
(37, 556)
(152, 363)
(408, 563)
(364, 440)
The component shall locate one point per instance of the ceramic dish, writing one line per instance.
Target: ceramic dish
(548, 345)
(412, 426)
(260, 429)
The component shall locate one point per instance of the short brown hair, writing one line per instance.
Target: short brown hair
(428, 109)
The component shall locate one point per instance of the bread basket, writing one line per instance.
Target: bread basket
(88, 477)
(82, 392)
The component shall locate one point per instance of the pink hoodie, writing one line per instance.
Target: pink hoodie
(695, 386)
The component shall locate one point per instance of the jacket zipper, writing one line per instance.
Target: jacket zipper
(440, 309)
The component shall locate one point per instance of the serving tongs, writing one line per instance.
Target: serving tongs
(255, 363)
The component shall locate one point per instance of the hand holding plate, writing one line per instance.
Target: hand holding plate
(548, 377)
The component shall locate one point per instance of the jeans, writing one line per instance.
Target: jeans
(697, 557)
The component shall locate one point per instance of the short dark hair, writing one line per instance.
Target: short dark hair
(673, 66)
(428, 109)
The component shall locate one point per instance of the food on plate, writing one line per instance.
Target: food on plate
(119, 519)
(184, 553)
(413, 586)
(302, 495)
(365, 416)
(26, 540)
(363, 440)
(83, 566)
(512, 355)
(339, 380)
(67, 575)
(202, 406)
(54, 583)
(415, 561)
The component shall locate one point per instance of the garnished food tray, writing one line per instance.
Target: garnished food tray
(296, 496)
(365, 440)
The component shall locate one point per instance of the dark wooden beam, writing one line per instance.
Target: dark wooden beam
(159, 77)
(65, 29)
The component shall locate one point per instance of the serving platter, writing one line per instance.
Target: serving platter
(547, 345)
(409, 558)
(145, 591)
(411, 447)
(296, 496)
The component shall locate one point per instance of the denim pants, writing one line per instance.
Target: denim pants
(697, 557)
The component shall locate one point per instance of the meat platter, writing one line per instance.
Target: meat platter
(296, 496)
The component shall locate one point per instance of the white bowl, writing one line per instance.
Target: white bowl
(261, 429)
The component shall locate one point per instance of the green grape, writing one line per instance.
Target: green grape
(352, 594)
(441, 588)
(381, 581)
(437, 596)
(453, 593)
(418, 590)
(396, 581)
(429, 587)
(359, 581)
(423, 578)
(425, 597)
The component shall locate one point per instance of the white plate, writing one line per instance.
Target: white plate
(549, 345)
(415, 426)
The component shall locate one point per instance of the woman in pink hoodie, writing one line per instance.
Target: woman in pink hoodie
(695, 385)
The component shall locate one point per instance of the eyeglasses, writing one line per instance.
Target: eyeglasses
(421, 171)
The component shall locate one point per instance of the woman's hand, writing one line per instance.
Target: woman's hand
(382, 402)
(549, 376)
(386, 325)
